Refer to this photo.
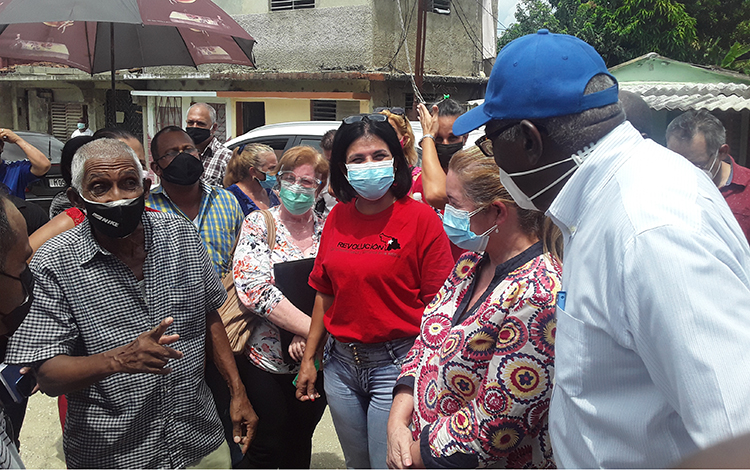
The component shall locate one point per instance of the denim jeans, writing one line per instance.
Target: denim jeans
(359, 380)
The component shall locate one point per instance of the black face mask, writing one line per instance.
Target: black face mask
(198, 134)
(116, 219)
(445, 152)
(13, 320)
(184, 170)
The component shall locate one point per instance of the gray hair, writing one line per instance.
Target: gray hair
(685, 127)
(207, 107)
(575, 131)
(103, 149)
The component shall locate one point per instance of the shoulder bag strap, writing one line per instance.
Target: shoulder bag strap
(271, 226)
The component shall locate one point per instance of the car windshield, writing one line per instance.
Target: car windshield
(47, 144)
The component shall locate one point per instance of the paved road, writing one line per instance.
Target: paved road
(41, 438)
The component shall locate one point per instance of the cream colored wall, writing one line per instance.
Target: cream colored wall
(279, 109)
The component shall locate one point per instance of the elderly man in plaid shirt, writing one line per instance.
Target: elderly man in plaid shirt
(123, 318)
(201, 127)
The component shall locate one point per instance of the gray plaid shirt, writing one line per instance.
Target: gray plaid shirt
(215, 159)
(86, 301)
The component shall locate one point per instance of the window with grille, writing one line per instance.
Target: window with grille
(65, 118)
(279, 5)
(441, 7)
(330, 110)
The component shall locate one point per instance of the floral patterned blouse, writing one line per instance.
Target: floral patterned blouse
(254, 281)
(482, 375)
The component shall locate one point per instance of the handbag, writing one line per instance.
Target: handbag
(291, 280)
(237, 319)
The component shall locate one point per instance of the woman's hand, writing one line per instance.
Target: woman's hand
(297, 348)
(399, 446)
(306, 381)
(428, 120)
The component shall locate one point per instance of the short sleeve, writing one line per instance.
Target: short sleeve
(436, 260)
(319, 279)
(49, 329)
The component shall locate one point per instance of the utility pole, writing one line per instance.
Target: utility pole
(421, 26)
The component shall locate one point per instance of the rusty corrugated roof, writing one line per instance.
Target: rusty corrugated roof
(686, 96)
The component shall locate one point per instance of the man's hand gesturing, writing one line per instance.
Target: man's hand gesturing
(148, 353)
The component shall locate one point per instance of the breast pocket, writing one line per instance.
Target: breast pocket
(188, 307)
(570, 362)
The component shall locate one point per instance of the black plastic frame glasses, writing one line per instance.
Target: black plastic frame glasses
(361, 117)
(485, 142)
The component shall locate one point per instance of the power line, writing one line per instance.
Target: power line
(472, 37)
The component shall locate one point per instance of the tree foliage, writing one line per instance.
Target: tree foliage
(698, 31)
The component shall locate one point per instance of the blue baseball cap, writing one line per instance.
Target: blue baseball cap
(539, 76)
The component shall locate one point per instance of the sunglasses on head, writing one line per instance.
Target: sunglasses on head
(368, 117)
(396, 111)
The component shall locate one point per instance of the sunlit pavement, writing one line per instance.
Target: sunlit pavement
(41, 438)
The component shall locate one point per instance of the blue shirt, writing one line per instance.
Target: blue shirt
(16, 176)
(246, 203)
(651, 351)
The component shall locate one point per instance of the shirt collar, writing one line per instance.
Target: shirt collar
(89, 247)
(739, 176)
(592, 176)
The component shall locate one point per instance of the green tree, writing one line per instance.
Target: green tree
(698, 31)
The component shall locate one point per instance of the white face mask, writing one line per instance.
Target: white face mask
(526, 202)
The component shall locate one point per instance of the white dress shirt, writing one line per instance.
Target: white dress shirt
(653, 344)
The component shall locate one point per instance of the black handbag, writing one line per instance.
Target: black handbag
(291, 279)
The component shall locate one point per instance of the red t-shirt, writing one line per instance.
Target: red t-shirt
(417, 192)
(737, 196)
(381, 269)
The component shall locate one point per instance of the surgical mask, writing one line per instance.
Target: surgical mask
(710, 170)
(198, 134)
(13, 320)
(116, 219)
(457, 225)
(184, 170)
(527, 202)
(269, 182)
(81, 126)
(296, 198)
(371, 180)
(446, 151)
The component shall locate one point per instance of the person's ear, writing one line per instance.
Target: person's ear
(74, 198)
(464, 138)
(503, 212)
(156, 169)
(146, 187)
(214, 126)
(532, 142)
(723, 152)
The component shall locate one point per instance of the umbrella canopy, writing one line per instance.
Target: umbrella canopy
(146, 33)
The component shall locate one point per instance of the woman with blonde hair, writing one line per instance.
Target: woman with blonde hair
(286, 425)
(397, 119)
(250, 176)
(476, 385)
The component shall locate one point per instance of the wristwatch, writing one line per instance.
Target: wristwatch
(426, 136)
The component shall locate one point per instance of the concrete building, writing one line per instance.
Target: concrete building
(316, 59)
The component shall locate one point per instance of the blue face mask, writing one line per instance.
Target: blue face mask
(457, 225)
(371, 180)
(269, 182)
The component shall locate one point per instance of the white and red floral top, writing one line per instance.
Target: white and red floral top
(254, 281)
(482, 375)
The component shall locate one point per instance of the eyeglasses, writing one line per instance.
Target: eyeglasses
(368, 117)
(173, 153)
(290, 178)
(485, 142)
(396, 111)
